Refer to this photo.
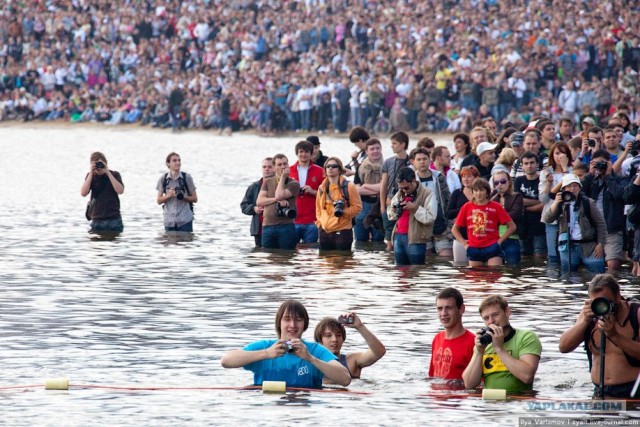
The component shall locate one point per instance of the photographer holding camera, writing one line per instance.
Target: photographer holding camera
(606, 311)
(105, 185)
(507, 358)
(607, 188)
(176, 194)
(414, 210)
(278, 198)
(332, 333)
(582, 229)
(289, 358)
(337, 204)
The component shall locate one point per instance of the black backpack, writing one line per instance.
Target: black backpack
(182, 182)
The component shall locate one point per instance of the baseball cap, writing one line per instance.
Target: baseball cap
(589, 120)
(485, 146)
(313, 139)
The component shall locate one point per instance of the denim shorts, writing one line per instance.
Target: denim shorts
(484, 254)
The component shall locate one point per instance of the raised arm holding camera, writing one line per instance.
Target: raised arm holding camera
(606, 311)
(105, 185)
(332, 334)
(176, 194)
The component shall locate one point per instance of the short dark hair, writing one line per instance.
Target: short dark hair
(601, 153)
(580, 166)
(358, 133)
(169, 156)
(96, 156)
(594, 129)
(535, 132)
(292, 307)
(481, 184)
(542, 124)
(279, 156)
(437, 151)
(332, 324)
(447, 293)
(406, 174)
(419, 150)
(529, 155)
(426, 142)
(304, 146)
(604, 281)
(566, 120)
(401, 137)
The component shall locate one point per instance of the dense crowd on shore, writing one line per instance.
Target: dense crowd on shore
(321, 65)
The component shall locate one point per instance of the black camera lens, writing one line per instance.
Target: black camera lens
(601, 165)
(179, 196)
(485, 336)
(568, 197)
(285, 211)
(338, 208)
(591, 142)
(602, 306)
(99, 165)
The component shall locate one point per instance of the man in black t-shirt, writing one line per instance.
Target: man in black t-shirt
(105, 185)
(531, 231)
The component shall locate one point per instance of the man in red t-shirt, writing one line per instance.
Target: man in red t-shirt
(310, 176)
(451, 349)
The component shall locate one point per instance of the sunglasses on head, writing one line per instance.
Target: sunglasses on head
(331, 166)
(500, 182)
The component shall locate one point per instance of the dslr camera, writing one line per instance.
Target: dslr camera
(285, 211)
(601, 165)
(486, 336)
(568, 197)
(345, 320)
(99, 165)
(398, 208)
(338, 208)
(179, 193)
(591, 142)
(603, 306)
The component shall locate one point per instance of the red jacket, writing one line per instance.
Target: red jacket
(306, 203)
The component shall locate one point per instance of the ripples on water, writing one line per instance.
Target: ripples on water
(147, 309)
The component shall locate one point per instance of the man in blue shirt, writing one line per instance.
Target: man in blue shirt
(289, 358)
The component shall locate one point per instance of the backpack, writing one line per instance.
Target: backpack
(634, 214)
(182, 182)
(633, 319)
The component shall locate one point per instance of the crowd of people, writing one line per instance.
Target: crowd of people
(288, 65)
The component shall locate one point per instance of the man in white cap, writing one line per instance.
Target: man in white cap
(583, 231)
(486, 152)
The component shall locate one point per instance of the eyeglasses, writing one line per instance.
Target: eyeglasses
(501, 182)
(331, 166)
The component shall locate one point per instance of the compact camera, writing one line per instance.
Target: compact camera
(603, 306)
(345, 320)
(285, 211)
(290, 347)
(486, 336)
(568, 196)
(338, 208)
(99, 165)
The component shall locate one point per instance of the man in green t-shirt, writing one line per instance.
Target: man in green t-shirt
(509, 360)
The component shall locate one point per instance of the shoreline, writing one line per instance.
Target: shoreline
(439, 136)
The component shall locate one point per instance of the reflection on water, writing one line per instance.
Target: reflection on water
(155, 309)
